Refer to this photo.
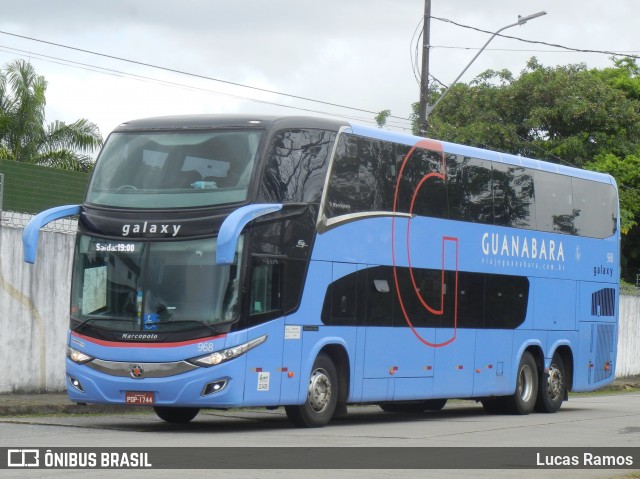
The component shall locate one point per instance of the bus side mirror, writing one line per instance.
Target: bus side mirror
(31, 232)
(232, 227)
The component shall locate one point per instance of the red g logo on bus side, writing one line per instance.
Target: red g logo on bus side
(434, 146)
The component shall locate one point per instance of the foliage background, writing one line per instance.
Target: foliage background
(587, 118)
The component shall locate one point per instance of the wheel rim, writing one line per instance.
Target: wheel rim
(319, 390)
(525, 383)
(555, 383)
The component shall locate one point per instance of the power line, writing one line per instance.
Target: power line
(195, 75)
(118, 73)
(453, 47)
(555, 45)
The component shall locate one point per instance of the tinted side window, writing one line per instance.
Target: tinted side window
(362, 176)
(266, 288)
(431, 198)
(513, 196)
(369, 297)
(380, 296)
(340, 306)
(297, 166)
(469, 189)
(506, 299)
(376, 174)
(471, 299)
(554, 203)
(275, 287)
(595, 207)
(343, 196)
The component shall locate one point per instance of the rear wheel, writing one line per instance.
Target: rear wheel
(553, 386)
(322, 396)
(524, 398)
(178, 415)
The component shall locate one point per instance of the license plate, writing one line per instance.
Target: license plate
(139, 398)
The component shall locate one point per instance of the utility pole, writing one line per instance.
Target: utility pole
(424, 79)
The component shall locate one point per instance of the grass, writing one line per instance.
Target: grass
(619, 386)
(629, 289)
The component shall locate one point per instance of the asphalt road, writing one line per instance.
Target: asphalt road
(588, 422)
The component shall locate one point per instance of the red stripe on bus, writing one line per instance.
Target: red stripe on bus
(124, 344)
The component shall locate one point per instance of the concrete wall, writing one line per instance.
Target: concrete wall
(34, 312)
(628, 360)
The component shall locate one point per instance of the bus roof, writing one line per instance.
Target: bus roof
(481, 153)
(189, 122)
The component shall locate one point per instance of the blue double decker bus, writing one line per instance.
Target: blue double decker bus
(228, 261)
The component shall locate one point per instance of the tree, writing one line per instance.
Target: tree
(572, 115)
(381, 118)
(25, 137)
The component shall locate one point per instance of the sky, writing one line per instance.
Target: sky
(110, 62)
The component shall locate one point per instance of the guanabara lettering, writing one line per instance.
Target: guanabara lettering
(517, 246)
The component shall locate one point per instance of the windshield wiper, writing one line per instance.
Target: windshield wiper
(212, 327)
(95, 317)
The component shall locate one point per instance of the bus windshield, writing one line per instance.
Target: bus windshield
(174, 169)
(174, 286)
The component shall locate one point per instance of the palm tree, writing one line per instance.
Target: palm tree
(23, 133)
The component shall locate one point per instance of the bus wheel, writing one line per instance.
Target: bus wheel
(524, 399)
(552, 387)
(178, 415)
(322, 396)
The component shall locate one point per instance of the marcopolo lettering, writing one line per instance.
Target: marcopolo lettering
(150, 228)
(139, 336)
(516, 246)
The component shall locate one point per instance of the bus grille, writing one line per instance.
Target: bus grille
(604, 352)
(603, 302)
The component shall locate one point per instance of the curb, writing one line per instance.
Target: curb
(23, 404)
(47, 403)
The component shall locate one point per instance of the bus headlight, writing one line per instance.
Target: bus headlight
(218, 357)
(77, 356)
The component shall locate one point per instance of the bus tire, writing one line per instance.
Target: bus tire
(524, 398)
(553, 386)
(322, 396)
(176, 415)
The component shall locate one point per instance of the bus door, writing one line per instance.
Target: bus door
(264, 363)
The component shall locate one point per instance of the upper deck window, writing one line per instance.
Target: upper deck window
(174, 169)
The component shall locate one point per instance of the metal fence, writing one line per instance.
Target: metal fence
(12, 219)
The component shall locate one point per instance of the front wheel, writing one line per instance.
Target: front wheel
(553, 386)
(322, 396)
(524, 398)
(176, 415)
